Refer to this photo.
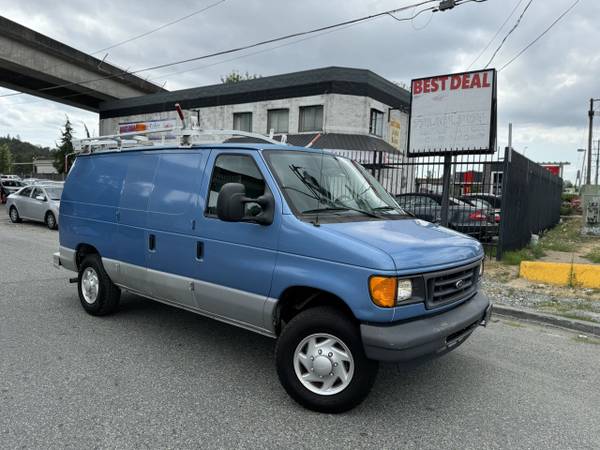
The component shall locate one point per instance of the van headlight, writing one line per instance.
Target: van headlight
(388, 292)
(405, 290)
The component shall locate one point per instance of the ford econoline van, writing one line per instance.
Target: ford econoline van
(293, 243)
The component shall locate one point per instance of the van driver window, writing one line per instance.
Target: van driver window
(236, 169)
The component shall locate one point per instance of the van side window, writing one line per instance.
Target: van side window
(235, 169)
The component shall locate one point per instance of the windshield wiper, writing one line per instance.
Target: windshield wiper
(341, 208)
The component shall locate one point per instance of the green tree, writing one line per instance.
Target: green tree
(5, 159)
(235, 77)
(64, 147)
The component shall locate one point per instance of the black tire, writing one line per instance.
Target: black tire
(108, 295)
(50, 220)
(14, 215)
(330, 321)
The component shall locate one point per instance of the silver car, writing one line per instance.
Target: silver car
(38, 203)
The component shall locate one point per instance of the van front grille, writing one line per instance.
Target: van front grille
(451, 285)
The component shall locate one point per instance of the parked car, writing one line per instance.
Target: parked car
(462, 217)
(38, 203)
(32, 181)
(10, 177)
(293, 243)
(11, 185)
(495, 201)
(482, 204)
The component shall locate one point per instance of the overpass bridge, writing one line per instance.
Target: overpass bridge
(33, 63)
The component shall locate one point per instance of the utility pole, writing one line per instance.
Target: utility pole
(589, 155)
(597, 160)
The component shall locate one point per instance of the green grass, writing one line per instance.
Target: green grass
(565, 237)
(594, 255)
(514, 258)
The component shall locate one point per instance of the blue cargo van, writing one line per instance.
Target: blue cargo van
(294, 243)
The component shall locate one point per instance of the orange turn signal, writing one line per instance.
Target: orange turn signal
(383, 291)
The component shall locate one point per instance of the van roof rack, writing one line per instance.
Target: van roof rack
(184, 137)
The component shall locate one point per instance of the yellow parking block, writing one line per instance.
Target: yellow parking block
(546, 272)
(586, 275)
(564, 274)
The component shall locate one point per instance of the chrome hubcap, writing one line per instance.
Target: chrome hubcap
(50, 220)
(323, 364)
(13, 214)
(89, 285)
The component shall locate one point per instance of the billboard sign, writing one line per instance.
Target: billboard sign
(453, 114)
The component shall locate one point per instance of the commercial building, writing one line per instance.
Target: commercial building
(350, 111)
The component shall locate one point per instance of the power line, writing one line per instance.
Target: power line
(540, 36)
(249, 46)
(509, 33)
(496, 35)
(402, 19)
(168, 24)
(133, 38)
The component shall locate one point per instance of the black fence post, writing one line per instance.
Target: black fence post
(504, 220)
(446, 189)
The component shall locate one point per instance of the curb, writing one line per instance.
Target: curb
(548, 319)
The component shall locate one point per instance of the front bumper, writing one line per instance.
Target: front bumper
(428, 336)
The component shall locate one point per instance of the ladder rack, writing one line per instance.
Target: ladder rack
(185, 137)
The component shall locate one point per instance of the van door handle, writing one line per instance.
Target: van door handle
(151, 242)
(199, 250)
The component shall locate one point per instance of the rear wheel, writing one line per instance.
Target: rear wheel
(14, 215)
(50, 220)
(98, 294)
(321, 362)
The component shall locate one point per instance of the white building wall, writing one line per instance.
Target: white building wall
(348, 114)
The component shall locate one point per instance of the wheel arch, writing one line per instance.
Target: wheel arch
(295, 299)
(82, 250)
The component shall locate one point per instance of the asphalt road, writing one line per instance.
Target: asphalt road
(153, 376)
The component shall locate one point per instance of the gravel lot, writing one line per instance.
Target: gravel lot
(153, 376)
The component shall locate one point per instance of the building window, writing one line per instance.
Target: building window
(242, 121)
(311, 118)
(278, 120)
(376, 123)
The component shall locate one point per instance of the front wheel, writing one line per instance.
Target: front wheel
(321, 362)
(14, 215)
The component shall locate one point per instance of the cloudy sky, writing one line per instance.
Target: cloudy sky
(545, 93)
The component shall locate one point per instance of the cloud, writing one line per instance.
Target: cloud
(544, 93)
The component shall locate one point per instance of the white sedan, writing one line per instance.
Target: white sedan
(37, 203)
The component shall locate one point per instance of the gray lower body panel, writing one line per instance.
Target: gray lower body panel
(244, 309)
(428, 336)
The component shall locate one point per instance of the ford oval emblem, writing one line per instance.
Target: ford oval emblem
(459, 284)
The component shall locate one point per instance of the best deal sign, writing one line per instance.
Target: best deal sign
(452, 114)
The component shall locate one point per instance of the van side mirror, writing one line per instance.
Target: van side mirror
(231, 205)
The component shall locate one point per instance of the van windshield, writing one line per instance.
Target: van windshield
(317, 183)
